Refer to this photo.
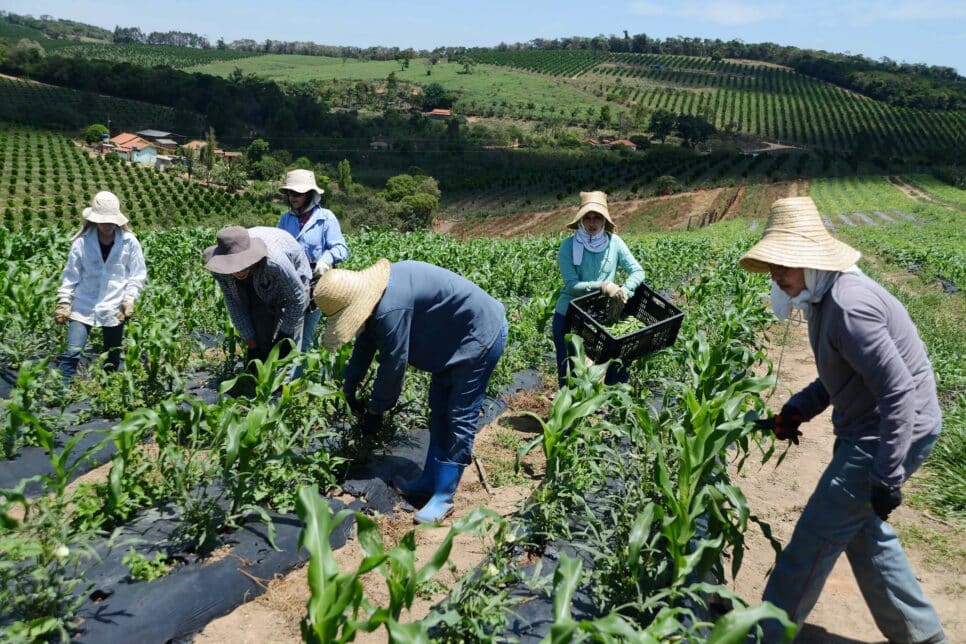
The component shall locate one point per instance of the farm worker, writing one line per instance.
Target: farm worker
(588, 262)
(317, 230)
(873, 371)
(102, 280)
(423, 315)
(264, 275)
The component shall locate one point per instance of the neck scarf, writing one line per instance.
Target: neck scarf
(817, 284)
(306, 211)
(582, 240)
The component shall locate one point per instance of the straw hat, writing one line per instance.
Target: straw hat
(593, 202)
(796, 237)
(347, 298)
(235, 251)
(105, 209)
(300, 181)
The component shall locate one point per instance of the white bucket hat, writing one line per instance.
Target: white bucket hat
(300, 181)
(347, 299)
(105, 209)
(593, 202)
(795, 237)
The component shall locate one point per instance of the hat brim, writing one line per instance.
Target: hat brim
(793, 251)
(342, 326)
(301, 188)
(593, 207)
(226, 264)
(95, 217)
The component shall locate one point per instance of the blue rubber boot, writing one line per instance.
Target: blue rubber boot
(423, 485)
(440, 506)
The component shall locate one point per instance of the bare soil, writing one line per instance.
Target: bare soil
(778, 494)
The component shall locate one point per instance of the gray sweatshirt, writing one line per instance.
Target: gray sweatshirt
(873, 370)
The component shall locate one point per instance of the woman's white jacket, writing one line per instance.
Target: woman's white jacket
(95, 287)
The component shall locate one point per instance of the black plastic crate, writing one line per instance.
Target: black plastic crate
(587, 315)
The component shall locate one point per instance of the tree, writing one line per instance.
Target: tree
(417, 210)
(344, 175)
(25, 52)
(208, 153)
(604, 119)
(256, 150)
(662, 124)
(694, 129)
(95, 133)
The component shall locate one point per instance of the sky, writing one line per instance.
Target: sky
(914, 31)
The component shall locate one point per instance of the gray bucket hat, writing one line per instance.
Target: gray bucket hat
(235, 251)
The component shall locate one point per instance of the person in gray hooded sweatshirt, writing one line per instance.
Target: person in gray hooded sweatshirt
(874, 372)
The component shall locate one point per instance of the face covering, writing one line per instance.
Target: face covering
(817, 284)
(582, 240)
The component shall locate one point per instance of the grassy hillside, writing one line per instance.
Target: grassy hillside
(147, 55)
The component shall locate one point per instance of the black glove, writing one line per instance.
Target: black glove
(885, 499)
(257, 353)
(287, 343)
(783, 425)
(371, 423)
(356, 406)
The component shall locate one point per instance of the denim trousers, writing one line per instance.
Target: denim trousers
(309, 323)
(839, 518)
(616, 372)
(77, 334)
(455, 400)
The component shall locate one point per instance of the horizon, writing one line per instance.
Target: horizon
(931, 33)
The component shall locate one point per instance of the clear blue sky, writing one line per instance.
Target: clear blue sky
(926, 31)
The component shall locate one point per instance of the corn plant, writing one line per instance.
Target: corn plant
(22, 418)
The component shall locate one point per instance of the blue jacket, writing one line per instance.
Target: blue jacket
(321, 237)
(594, 269)
(429, 318)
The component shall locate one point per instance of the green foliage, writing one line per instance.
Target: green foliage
(143, 569)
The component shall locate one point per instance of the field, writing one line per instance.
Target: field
(147, 55)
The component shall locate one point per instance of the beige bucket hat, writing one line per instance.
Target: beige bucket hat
(235, 251)
(593, 202)
(300, 181)
(105, 209)
(796, 237)
(347, 299)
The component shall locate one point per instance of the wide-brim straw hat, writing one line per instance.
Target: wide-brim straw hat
(105, 209)
(347, 299)
(235, 251)
(593, 202)
(795, 237)
(300, 181)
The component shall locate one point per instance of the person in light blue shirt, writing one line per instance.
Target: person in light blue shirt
(319, 233)
(588, 262)
(413, 313)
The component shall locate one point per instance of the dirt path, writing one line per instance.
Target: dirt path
(778, 496)
(910, 191)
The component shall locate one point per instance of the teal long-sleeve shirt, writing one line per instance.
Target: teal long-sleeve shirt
(594, 269)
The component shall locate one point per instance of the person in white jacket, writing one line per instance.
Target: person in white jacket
(104, 275)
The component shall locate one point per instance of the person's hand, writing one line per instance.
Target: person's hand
(321, 268)
(285, 343)
(612, 290)
(885, 499)
(126, 312)
(783, 425)
(356, 406)
(62, 312)
(371, 423)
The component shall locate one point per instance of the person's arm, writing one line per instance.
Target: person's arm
(359, 361)
(335, 249)
(293, 295)
(572, 283)
(866, 344)
(392, 338)
(136, 271)
(71, 275)
(635, 274)
(238, 310)
(810, 401)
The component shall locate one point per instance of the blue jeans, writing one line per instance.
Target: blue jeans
(77, 333)
(309, 324)
(616, 372)
(839, 518)
(455, 400)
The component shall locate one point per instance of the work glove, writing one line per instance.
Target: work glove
(885, 499)
(783, 425)
(615, 309)
(371, 423)
(356, 406)
(321, 268)
(62, 312)
(285, 343)
(613, 291)
(126, 312)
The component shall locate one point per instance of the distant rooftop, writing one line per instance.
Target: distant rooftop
(153, 134)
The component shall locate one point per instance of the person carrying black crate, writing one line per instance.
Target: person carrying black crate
(588, 262)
